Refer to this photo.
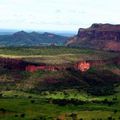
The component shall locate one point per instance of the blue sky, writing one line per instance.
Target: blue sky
(59, 15)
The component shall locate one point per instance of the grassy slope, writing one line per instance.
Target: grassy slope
(55, 55)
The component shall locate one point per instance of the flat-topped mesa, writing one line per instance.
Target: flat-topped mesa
(101, 32)
(98, 36)
(105, 27)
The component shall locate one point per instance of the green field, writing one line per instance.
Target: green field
(59, 95)
(25, 106)
(56, 55)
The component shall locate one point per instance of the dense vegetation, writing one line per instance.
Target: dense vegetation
(59, 95)
(23, 38)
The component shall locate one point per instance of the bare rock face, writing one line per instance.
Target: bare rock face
(82, 66)
(98, 36)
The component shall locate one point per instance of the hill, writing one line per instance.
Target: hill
(23, 38)
(98, 36)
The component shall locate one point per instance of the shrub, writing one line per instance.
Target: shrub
(42, 118)
(1, 94)
(110, 118)
(32, 101)
(74, 116)
(22, 115)
(81, 118)
(15, 95)
(115, 111)
(2, 110)
(29, 97)
(16, 115)
(114, 99)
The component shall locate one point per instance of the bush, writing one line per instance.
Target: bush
(22, 115)
(81, 118)
(32, 101)
(42, 118)
(3, 110)
(15, 95)
(1, 95)
(110, 118)
(63, 102)
(115, 111)
(16, 115)
(74, 116)
(29, 97)
(114, 99)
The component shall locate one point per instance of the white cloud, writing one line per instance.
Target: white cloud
(57, 14)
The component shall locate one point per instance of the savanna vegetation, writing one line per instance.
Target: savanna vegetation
(59, 95)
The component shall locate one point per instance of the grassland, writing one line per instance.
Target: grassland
(31, 96)
(26, 106)
(55, 55)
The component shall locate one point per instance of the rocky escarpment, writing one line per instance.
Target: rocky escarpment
(98, 36)
(13, 64)
(86, 65)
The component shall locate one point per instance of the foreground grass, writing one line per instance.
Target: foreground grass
(23, 109)
(21, 105)
(28, 106)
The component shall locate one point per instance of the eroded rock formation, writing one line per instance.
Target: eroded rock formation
(82, 66)
(33, 68)
(12, 64)
(19, 64)
(98, 36)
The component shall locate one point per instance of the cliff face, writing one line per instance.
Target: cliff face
(98, 36)
(84, 66)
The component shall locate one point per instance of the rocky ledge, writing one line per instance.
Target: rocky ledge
(98, 36)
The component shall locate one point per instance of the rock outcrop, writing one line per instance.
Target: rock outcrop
(98, 36)
(84, 66)
(14, 64)
(33, 68)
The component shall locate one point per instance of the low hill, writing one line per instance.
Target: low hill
(98, 36)
(23, 38)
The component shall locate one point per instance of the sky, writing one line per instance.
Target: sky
(57, 15)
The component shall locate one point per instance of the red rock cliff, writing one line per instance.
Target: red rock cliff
(98, 36)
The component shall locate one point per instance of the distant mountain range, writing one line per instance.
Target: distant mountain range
(98, 36)
(23, 38)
